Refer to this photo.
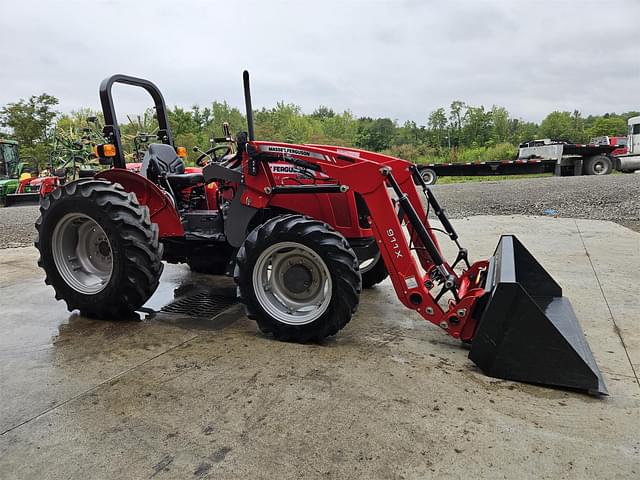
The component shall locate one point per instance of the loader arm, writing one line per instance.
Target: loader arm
(419, 273)
(407, 185)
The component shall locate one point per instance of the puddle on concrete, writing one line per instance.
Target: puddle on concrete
(177, 283)
(49, 354)
(173, 277)
(35, 323)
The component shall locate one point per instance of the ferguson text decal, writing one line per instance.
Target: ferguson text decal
(283, 168)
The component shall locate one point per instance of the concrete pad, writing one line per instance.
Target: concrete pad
(620, 287)
(390, 397)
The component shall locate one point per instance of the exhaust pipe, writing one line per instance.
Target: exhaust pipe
(528, 331)
(247, 102)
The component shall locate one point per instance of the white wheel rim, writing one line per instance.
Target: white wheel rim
(82, 253)
(285, 300)
(427, 176)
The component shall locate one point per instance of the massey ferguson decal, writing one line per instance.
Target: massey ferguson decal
(291, 151)
(348, 153)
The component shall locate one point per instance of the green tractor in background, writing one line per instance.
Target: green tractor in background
(11, 169)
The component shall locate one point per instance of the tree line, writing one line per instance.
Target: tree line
(461, 132)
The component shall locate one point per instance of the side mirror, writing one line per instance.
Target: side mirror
(104, 161)
(92, 119)
(60, 172)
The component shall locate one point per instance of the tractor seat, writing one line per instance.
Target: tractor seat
(161, 159)
(184, 180)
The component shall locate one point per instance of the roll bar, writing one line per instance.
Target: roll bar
(111, 130)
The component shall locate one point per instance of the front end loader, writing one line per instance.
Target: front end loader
(296, 224)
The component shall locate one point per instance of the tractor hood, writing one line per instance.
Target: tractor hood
(6, 182)
(37, 181)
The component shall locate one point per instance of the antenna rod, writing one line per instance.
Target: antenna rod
(247, 101)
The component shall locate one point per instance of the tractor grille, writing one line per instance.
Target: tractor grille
(201, 305)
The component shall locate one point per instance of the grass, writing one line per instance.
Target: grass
(489, 178)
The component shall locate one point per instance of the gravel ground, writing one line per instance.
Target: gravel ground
(614, 197)
(17, 226)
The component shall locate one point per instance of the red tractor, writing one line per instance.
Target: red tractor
(302, 228)
(31, 190)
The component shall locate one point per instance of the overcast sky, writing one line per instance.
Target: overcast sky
(399, 59)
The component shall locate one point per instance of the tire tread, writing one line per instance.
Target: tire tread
(138, 237)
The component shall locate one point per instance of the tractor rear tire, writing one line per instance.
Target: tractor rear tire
(98, 248)
(374, 274)
(298, 278)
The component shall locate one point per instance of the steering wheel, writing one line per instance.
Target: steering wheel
(211, 155)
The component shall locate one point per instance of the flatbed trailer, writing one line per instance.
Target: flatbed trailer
(538, 156)
(431, 172)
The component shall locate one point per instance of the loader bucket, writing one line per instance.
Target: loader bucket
(528, 331)
(22, 199)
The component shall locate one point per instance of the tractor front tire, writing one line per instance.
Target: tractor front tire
(98, 248)
(298, 278)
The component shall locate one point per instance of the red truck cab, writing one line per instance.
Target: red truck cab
(620, 142)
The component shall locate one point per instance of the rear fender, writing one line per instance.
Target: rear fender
(161, 207)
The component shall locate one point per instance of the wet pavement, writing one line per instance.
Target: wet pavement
(177, 396)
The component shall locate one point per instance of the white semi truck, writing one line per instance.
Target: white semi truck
(559, 157)
(630, 161)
